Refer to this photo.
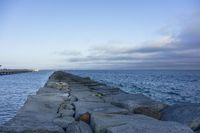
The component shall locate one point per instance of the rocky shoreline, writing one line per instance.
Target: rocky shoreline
(72, 104)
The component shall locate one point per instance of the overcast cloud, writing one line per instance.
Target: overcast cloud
(174, 50)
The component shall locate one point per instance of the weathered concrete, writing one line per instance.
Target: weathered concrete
(67, 100)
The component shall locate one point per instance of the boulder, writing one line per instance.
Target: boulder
(106, 90)
(36, 115)
(198, 131)
(45, 90)
(78, 127)
(86, 96)
(84, 107)
(66, 106)
(63, 121)
(116, 123)
(85, 117)
(59, 76)
(30, 129)
(137, 103)
(57, 85)
(66, 112)
(45, 103)
(186, 113)
(73, 98)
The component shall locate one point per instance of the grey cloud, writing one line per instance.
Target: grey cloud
(181, 53)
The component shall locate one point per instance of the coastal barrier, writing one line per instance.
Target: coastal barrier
(71, 104)
(13, 71)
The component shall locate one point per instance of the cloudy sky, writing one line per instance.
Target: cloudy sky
(100, 34)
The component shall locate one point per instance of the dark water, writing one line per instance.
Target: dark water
(166, 86)
(14, 90)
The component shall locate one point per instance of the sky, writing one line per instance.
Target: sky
(100, 34)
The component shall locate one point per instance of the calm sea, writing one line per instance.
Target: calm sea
(166, 86)
(15, 88)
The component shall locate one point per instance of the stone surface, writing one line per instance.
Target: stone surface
(37, 114)
(85, 117)
(84, 107)
(115, 123)
(66, 106)
(78, 127)
(59, 76)
(66, 112)
(57, 85)
(45, 90)
(198, 131)
(63, 121)
(30, 129)
(86, 95)
(106, 90)
(137, 103)
(188, 114)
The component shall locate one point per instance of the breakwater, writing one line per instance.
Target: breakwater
(71, 104)
(13, 71)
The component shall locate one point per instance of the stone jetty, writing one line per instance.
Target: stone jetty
(14, 71)
(72, 104)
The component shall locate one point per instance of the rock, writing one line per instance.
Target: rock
(115, 123)
(86, 96)
(63, 121)
(45, 103)
(85, 117)
(66, 112)
(73, 99)
(84, 107)
(146, 128)
(57, 85)
(137, 103)
(36, 115)
(198, 131)
(106, 90)
(188, 114)
(30, 129)
(66, 106)
(148, 111)
(78, 127)
(59, 76)
(45, 90)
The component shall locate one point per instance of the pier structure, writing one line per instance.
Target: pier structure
(71, 104)
(13, 71)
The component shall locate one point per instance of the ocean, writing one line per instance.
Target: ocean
(162, 85)
(14, 90)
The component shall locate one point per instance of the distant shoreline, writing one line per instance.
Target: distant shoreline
(14, 71)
